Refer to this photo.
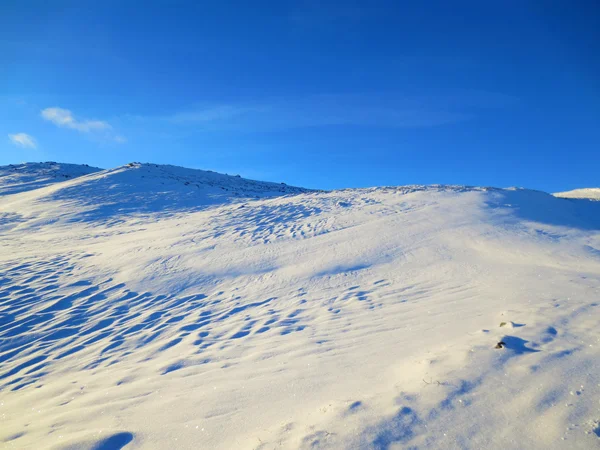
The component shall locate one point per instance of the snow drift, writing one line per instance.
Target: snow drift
(160, 307)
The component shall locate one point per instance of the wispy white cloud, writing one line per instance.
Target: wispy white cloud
(64, 118)
(23, 140)
(99, 129)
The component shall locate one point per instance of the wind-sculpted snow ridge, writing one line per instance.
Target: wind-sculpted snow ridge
(27, 176)
(362, 318)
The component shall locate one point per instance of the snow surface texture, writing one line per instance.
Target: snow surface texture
(160, 307)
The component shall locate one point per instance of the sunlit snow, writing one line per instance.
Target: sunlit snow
(155, 306)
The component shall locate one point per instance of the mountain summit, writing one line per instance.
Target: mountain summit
(97, 195)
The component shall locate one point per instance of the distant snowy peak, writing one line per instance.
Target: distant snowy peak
(588, 193)
(136, 178)
(17, 178)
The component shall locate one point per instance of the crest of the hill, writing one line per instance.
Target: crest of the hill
(106, 196)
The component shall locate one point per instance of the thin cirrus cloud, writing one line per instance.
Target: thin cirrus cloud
(23, 140)
(390, 110)
(325, 15)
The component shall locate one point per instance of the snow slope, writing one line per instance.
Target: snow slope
(138, 311)
(589, 193)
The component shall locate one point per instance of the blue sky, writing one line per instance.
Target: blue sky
(322, 94)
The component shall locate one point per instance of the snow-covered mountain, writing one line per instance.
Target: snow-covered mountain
(160, 307)
(143, 191)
